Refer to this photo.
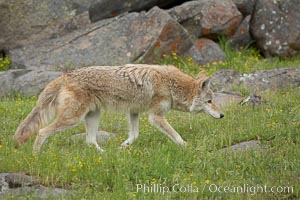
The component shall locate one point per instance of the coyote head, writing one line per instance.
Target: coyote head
(204, 99)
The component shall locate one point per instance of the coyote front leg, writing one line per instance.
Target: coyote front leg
(162, 124)
(133, 124)
(91, 123)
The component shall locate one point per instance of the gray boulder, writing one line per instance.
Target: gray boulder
(29, 21)
(141, 37)
(25, 82)
(275, 26)
(243, 146)
(206, 51)
(24, 186)
(273, 79)
(208, 18)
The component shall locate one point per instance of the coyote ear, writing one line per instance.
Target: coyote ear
(201, 75)
(205, 84)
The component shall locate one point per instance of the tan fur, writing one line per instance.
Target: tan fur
(132, 88)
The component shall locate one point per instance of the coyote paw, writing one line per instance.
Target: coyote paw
(183, 143)
(99, 149)
(125, 145)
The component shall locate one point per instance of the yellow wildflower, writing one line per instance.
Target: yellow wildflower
(153, 181)
(294, 124)
(73, 170)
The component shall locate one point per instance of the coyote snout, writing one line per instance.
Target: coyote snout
(212, 109)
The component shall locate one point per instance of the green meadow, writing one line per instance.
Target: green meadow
(156, 168)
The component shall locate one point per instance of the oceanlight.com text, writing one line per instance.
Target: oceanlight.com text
(212, 188)
(246, 188)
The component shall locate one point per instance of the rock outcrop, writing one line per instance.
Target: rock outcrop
(25, 82)
(275, 26)
(125, 39)
(29, 21)
(24, 186)
(208, 18)
(205, 51)
(274, 79)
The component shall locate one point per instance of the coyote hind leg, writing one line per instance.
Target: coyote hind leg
(57, 125)
(69, 112)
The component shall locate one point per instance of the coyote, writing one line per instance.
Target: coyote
(133, 88)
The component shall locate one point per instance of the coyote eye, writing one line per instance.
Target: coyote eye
(209, 101)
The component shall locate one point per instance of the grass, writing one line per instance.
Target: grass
(154, 159)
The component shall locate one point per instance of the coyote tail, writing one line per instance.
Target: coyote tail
(40, 115)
